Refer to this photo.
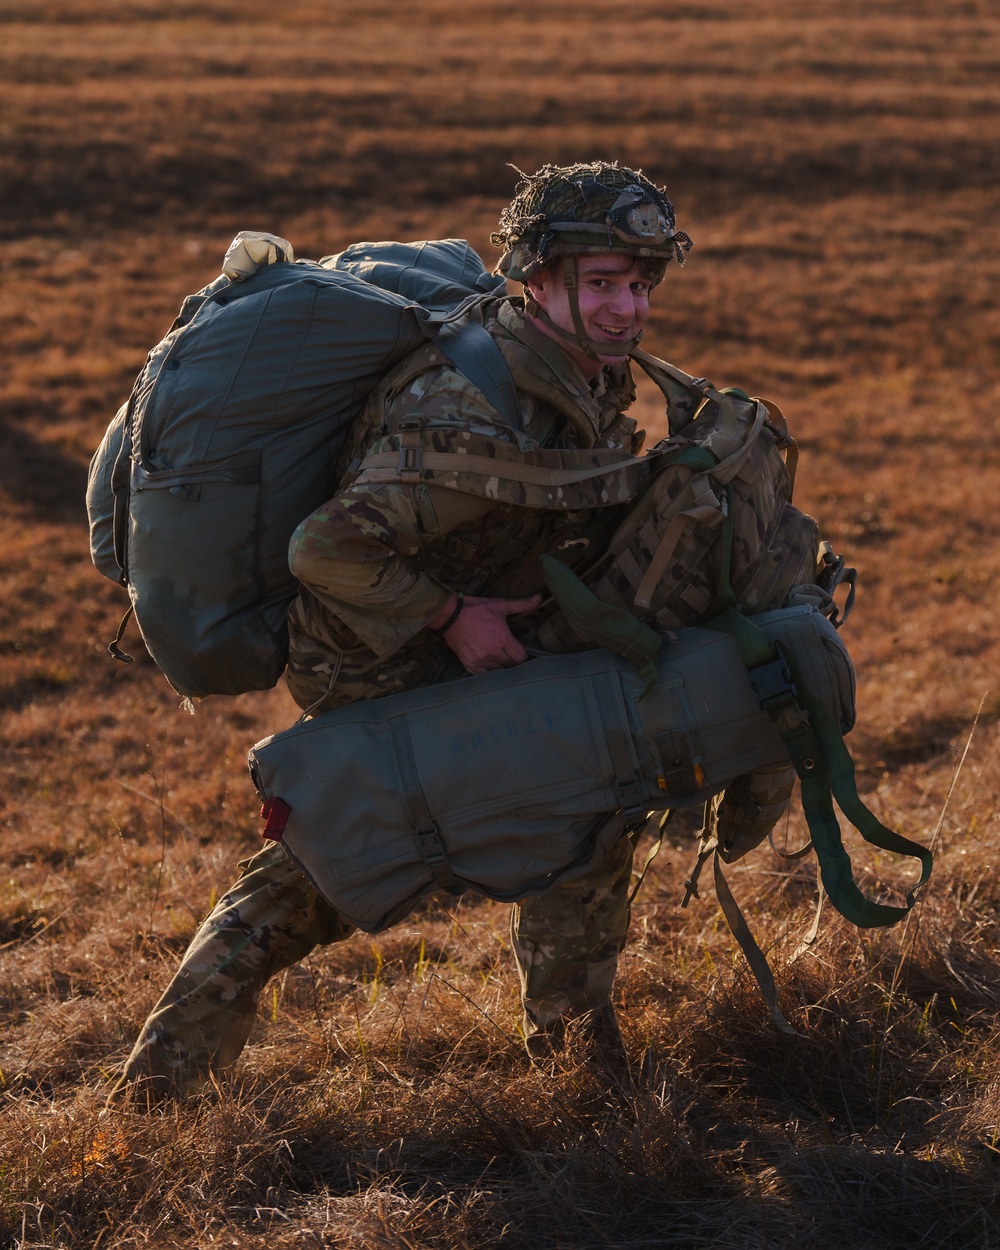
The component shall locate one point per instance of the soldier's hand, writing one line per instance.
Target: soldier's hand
(479, 635)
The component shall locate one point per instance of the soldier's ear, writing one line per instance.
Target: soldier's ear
(541, 284)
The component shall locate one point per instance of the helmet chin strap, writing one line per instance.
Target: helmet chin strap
(594, 348)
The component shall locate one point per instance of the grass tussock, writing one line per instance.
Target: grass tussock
(837, 172)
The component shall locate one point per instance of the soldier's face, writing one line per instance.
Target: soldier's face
(614, 306)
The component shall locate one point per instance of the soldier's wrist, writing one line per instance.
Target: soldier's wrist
(450, 619)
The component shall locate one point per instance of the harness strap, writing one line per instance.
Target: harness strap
(608, 626)
(485, 466)
(754, 955)
(708, 845)
(474, 352)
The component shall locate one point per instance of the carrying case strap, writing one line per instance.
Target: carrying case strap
(425, 831)
(474, 352)
(826, 772)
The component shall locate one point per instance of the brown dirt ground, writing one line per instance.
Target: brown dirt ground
(837, 168)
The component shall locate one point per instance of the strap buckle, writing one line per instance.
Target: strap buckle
(410, 455)
(435, 856)
(773, 685)
(632, 800)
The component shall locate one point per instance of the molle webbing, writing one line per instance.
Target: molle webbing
(716, 528)
(495, 469)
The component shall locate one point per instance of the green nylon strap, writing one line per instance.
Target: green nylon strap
(608, 626)
(826, 771)
(839, 778)
(755, 957)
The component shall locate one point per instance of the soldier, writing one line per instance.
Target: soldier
(407, 584)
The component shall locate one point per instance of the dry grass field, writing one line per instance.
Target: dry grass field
(837, 167)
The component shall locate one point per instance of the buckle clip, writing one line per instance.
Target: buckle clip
(632, 800)
(435, 856)
(410, 455)
(772, 684)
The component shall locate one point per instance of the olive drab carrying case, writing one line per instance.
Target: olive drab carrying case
(233, 428)
(514, 780)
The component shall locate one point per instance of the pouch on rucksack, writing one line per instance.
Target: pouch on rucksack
(231, 434)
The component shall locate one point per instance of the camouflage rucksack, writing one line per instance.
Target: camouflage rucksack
(716, 527)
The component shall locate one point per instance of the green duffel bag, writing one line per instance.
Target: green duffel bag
(515, 780)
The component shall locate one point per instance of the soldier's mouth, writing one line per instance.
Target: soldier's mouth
(614, 332)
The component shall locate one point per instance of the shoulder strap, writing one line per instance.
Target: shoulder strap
(473, 351)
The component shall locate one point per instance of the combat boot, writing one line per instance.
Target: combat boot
(595, 1037)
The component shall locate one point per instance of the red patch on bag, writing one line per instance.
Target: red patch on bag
(276, 813)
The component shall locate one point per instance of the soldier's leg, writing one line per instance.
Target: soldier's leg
(566, 943)
(271, 918)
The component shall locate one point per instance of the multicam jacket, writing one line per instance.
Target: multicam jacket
(379, 560)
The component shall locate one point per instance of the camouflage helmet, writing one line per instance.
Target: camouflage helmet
(578, 210)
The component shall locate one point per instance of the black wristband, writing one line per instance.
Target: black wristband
(451, 619)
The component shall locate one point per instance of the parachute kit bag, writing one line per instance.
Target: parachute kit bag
(231, 434)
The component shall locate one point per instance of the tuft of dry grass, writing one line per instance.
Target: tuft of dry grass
(836, 169)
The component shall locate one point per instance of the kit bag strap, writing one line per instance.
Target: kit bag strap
(708, 847)
(602, 623)
(826, 772)
(426, 834)
(474, 352)
(755, 957)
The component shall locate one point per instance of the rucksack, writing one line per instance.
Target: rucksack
(231, 433)
(716, 527)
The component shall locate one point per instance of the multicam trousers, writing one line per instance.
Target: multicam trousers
(566, 944)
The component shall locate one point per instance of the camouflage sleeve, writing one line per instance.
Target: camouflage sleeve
(360, 554)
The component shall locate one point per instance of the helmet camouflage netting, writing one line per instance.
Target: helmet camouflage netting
(575, 210)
